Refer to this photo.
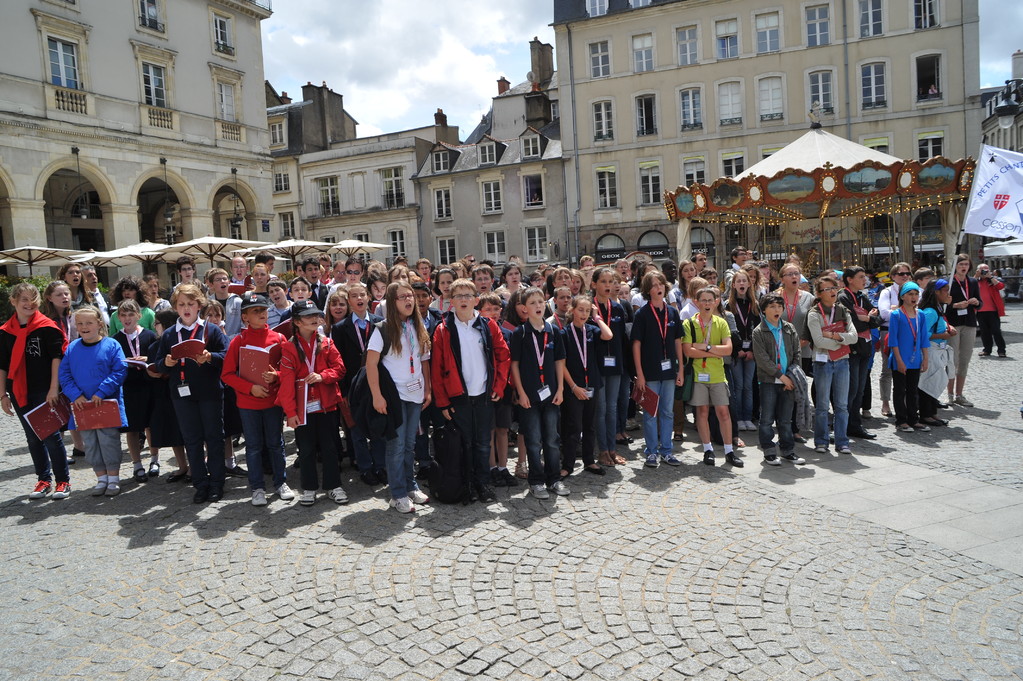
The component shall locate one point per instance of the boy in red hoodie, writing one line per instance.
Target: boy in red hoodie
(261, 418)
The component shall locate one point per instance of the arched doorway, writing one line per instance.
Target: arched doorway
(73, 216)
(163, 198)
(232, 203)
(609, 248)
(655, 243)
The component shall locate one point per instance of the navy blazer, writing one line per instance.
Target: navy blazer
(345, 337)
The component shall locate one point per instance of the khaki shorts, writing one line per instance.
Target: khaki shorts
(706, 394)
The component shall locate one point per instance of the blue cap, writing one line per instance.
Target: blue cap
(909, 286)
(940, 284)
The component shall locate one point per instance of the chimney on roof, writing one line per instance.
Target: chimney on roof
(440, 118)
(541, 58)
(502, 85)
(441, 131)
(285, 99)
(1017, 64)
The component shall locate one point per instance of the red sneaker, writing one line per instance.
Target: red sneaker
(42, 489)
(62, 491)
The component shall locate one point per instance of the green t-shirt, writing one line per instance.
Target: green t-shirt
(710, 369)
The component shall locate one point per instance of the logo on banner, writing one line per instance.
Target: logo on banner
(1001, 201)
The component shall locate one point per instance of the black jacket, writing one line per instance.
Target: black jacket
(375, 424)
(346, 339)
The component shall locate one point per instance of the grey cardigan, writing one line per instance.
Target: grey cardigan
(815, 324)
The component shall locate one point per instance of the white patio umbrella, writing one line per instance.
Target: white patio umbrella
(129, 255)
(352, 246)
(208, 247)
(293, 248)
(37, 255)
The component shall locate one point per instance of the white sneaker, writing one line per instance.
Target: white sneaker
(962, 401)
(539, 491)
(560, 489)
(403, 505)
(307, 498)
(418, 497)
(285, 493)
(338, 495)
(258, 497)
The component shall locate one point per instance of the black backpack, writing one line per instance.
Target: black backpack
(450, 475)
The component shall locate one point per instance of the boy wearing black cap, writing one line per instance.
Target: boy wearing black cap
(262, 419)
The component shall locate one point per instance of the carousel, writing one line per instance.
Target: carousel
(834, 203)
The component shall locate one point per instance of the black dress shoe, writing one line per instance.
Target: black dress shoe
(369, 478)
(862, 435)
(381, 475)
(708, 458)
(237, 471)
(486, 494)
(177, 476)
(735, 461)
(202, 494)
(216, 494)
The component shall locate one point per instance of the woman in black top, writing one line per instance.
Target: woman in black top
(962, 314)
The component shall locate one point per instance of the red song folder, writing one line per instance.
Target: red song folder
(47, 419)
(646, 398)
(237, 289)
(254, 361)
(285, 329)
(188, 349)
(92, 417)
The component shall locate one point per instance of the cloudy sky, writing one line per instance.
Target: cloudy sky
(396, 61)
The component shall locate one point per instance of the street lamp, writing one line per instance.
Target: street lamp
(1009, 102)
(236, 221)
(83, 196)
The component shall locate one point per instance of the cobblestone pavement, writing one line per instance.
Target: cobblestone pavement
(671, 573)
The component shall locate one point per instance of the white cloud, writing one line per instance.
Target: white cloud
(397, 61)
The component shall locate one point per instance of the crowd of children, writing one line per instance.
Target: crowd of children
(367, 362)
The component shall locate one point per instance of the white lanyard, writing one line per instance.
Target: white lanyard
(310, 362)
(135, 348)
(584, 352)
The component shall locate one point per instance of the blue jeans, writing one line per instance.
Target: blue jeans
(539, 426)
(776, 404)
(264, 428)
(831, 385)
(367, 457)
(743, 378)
(657, 428)
(607, 413)
(49, 457)
(400, 452)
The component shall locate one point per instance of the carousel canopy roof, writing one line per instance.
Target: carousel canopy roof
(812, 151)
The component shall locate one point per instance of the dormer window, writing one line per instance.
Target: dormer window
(531, 147)
(488, 153)
(440, 161)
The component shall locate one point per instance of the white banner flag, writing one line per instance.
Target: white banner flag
(996, 200)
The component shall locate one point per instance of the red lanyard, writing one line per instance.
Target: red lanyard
(539, 355)
(912, 325)
(662, 328)
(557, 318)
(407, 326)
(607, 315)
(136, 348)
(190, 337)
(964, 289)
(738, 311)
(793, 306)
(358, 333)
(584, 352)
(831, 318)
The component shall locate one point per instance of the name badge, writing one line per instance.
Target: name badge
(962, 311)
(746, 345)
(312, 406)
(544, 392)
(609, 361)
(184, 390)
(414, 386)
(589, 393)
(703, 378)
(820, 357)
(778, 380)
(666, 365)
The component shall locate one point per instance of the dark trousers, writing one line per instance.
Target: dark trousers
(202, 423)
(430, 416)
(539, 426)
(906, 396)
(577, 418)
(49, 457)
(776, 404)
(990, 328)
(368, 453)
(263, 429)
(858, 375)
(474, 418)
(928, 406)
(317, 436)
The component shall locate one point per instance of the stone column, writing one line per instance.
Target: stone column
(195, 223)
(23, 222)
(683, 245)
(120, 225)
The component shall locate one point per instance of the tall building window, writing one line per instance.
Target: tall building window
(287, 225)
(282, 181)
(649, 182)
(222, 34)
(63, 63)
(768, 33)
(818, 26)
(691, 109)
(225, 101)
(733, 163)
(493, 246)
(772, 101)
(870, 18)
(643, 52)
(488, 153)
(397, 239)
(330, 203)
(276, 133)
(394, 189)
(446, 250)
(687, 45)
(154, 88)
(442, 204)
(607, 187)
(603, 121)
(872, 86)
(149, 15)
(596, 8)
(929, 144)
(694, 171)
(536, 244)
(531, 147)
(646, 124)
(820, 91)
(928, 77)
(730, 103)
(727, 33)
(925, 13)
(600, 59)
(532, 191)
(492, 196)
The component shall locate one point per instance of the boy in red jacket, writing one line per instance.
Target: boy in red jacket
(261, 417)
(310, 370)
(469, 368)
